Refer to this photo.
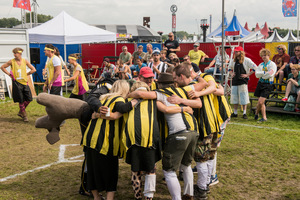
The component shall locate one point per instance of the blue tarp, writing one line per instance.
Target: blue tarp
(72, 48)
(233, 26)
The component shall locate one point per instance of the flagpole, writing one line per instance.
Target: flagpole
(297, 20)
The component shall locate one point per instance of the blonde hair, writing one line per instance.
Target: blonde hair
(150, 45)
(296, 66)
(119, 88)
(139, 84)
(17, 49)
(242, 58)
(283, 47)
(264, 51)
(173, 54)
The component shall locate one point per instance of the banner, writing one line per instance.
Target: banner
(24, 4)
(289, 8)
(173, 21)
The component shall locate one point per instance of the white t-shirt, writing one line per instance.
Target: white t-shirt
(56, 61)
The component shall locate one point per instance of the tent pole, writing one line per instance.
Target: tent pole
(222, 55)
(115, 47)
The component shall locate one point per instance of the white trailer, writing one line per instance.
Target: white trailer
(10, 39)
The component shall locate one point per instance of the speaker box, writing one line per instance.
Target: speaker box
(35, 55)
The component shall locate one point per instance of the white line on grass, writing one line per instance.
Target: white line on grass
(61, 159)
(280, 129)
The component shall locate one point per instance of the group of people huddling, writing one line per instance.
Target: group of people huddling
(170, 112)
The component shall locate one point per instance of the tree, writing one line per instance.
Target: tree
(40, 17)
(9, 22)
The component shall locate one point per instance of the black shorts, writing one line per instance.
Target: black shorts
(21, 92)
(286, 71)
(263, 90)
(81, 97)
(55, 90)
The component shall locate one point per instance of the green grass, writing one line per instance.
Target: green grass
(255, 161)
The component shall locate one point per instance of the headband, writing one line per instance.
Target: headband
(73, 58)
(142, 88)
(20, 51)
(46, 48)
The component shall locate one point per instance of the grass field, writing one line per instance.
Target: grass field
(255, 161)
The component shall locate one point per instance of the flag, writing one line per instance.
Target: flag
(24, 4)
(289, 8)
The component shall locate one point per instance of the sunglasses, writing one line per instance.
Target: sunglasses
(170, 35)
(297, 50)
(279, 48)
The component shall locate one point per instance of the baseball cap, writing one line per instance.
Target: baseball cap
(239, 48)
(156, 51)
(146, 72)
(196, 44)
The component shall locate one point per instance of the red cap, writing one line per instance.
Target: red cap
(239, 48)
(146, 72)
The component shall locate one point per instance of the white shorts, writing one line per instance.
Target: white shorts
(239, 95)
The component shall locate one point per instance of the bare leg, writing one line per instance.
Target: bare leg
(281, 75)
(244, 108)
(261, 102)
(288, 89)
(96, 195)
(110, 195)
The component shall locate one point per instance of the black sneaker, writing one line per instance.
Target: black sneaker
(199, 193)
(245, 116)
(256, 117)
(234, 115)
(207, 189)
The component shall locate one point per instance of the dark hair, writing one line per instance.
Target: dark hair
(50, 46)
(184, 69)
(57, 51)
(170, 69)
(164, 85)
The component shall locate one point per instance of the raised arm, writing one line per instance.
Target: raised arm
(142, 95)
(173, 109)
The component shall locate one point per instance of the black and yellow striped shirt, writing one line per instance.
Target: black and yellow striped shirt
(104, 135)
(141, 126)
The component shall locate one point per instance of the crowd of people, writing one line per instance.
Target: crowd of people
(168, 111)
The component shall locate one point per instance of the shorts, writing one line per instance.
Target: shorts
(239, 94)
(56, 90)
(295, 89)
(206, 148)
(179, 149)
(21, 92)
(263, 90)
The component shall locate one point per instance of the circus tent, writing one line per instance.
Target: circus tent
(290, 37)
(275, 37)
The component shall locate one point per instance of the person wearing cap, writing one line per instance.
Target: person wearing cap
(197, 55)
(157, 66)
(137, 54)
(109, 69)
(240, 70)
(281, 59)
(148, 56)
(81, 85)
(265, 72)
(54, 81)
(182, 133)
(125, 56)
(171, 45)
(146, 75)
(20, 89)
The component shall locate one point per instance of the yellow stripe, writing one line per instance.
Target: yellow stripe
(72, 58)
(145, 129)
(96, 133)
(130, 126)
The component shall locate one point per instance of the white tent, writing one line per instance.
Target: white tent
(290, 37)
(253, 37)
(275, 37)
(64, 29)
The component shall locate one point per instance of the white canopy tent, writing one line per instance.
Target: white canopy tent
(275, 37)
(64, 29)
(290, 37)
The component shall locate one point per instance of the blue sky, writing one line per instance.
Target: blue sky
(188, 15)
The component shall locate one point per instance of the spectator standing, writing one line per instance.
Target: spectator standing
(281, 60)
(171, 45)
(293, 84)
(239, 69)
(197, 55)
(186, 58)
(137, 54)
(148, 55)
(265, 72)
(157, 66)
(125, 56)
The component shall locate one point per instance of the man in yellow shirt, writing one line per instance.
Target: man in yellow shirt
(197, 55)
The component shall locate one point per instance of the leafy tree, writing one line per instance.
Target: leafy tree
(40, 17)
(9, 22)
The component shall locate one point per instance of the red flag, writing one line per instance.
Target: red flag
(24, 4)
